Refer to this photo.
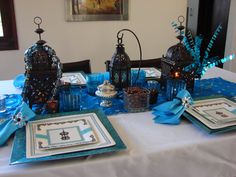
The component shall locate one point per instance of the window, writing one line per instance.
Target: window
(8, 35)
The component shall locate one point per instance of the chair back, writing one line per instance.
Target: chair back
(146, 63)
(83, 65)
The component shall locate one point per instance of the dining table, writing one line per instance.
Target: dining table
(153, 150)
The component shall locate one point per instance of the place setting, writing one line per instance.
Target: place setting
(71, 135)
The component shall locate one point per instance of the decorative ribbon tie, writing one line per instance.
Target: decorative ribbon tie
(170, 112)
(22, 114)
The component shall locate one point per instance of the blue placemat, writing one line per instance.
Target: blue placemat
(19, 145)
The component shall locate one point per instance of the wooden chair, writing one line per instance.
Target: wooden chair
(83, 65)
(146, 63)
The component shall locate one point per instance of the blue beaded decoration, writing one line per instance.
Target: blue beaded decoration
(194, 46)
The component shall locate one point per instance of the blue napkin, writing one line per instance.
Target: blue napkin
(22, 114)
(170, 112)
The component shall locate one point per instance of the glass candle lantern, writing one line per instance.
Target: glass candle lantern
(173, 86)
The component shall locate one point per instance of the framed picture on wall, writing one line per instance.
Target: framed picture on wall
(96, 10)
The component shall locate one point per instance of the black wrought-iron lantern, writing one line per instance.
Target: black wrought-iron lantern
(120, 65)
(42, 71)
(175, 60)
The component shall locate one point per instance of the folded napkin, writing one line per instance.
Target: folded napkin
(170, 112)
(22, 114)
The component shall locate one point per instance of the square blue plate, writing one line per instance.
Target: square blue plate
(18, 155)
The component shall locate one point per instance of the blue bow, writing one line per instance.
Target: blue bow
(22, 114)
(170, 112)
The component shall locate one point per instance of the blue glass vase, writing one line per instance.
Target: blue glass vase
(70, 98)
(173, 86)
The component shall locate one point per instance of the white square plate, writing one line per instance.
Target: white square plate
(63, 134)
(104, 139)
(215, 113)
(73, 78)
(150, 72)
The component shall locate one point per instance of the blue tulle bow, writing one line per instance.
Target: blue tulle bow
(170, 112)
(22, 114)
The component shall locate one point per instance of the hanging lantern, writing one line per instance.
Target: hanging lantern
(120, 67)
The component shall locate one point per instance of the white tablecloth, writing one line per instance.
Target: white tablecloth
(153, 150)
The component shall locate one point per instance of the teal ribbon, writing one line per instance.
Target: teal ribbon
(170, 112)
(21, 115)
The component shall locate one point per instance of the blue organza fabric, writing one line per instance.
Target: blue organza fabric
(12, 102)
(15, 117)
(214, 86)
(93, 102)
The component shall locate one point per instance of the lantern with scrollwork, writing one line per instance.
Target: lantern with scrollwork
(177, 57)
(120, 67)
(42, 71)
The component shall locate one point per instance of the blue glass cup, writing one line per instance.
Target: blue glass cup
(141, 80)
(70, 98)
(93, 81)
(173, 86)
(106, 76)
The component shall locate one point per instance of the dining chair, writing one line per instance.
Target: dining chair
(145, 63)
(83, 65)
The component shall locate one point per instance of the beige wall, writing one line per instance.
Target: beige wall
(231, 37)
(95, 40)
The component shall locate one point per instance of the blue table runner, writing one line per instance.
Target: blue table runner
(204, 87)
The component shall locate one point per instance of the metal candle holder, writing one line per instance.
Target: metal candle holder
(106, 92)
